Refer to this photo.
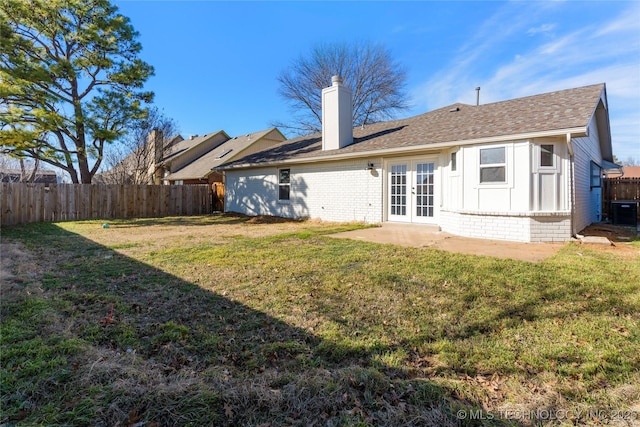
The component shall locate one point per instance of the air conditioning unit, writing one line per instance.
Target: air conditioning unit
(625, 212)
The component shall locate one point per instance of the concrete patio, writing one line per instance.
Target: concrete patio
(421, 236)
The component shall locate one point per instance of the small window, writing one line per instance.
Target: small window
(284, 184)
(493, 165)
(454, 162)
(596, 175)
(546, 155)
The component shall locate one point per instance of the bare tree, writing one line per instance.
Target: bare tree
(134, 161)
(14, 169)
(630, 161)
(375, 79)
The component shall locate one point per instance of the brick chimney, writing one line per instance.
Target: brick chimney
(337, 116)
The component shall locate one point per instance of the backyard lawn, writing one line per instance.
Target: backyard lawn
(225, 320)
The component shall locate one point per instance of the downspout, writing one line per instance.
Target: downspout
(571, 184)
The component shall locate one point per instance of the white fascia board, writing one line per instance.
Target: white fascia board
(574, 132)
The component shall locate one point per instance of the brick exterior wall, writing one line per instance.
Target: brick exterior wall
(340, 191)
(550, 229)
(335, 191)
(498, 226)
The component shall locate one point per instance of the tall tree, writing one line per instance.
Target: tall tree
(135, 158)
(375, 79)
(70, 81)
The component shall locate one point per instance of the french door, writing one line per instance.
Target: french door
(412, 191)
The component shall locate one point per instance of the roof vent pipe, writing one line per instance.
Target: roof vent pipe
(477, 96)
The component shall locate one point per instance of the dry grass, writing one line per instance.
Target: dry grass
(234, 321)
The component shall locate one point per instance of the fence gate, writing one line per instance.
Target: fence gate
(218, 196)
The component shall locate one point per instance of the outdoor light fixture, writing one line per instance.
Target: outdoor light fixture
(370, 166)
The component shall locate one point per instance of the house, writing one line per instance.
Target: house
(199, 168)
(42, 176)
(186, 152)
(142, 166)
(527, 169)
(196, 164)
(630, 172)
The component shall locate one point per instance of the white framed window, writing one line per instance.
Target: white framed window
(493, 165)
(284, 184)
(454, 161)
(547, 157)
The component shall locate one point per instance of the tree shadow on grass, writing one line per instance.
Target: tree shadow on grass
(495, 319)
(113, 341)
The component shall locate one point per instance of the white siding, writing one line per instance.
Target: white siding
(510, 196)
(337, 191)
(586, 150)
(550, 185)
(452, 193)
(531, 206)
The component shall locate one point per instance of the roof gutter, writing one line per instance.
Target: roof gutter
(612, 168)
(582, 131)
(572, 194)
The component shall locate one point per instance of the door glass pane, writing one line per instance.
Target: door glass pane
(398, 190)
(424, 185)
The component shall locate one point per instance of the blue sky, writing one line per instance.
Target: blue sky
(216, 63)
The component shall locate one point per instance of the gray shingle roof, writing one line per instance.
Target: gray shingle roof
(180, 147)
(201, 167)
(455, 124)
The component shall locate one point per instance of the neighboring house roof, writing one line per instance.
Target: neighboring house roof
(202, 166)
(43, 176)
(182, 147)
(549, 114)
(173, 141)
(630, 172)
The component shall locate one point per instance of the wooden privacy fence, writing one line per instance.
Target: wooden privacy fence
(619, 189)
(25, 203)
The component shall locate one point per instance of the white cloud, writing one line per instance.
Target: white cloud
(628, 21)
(561, 44)
(544, 28)
(597, 52)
